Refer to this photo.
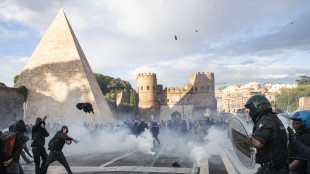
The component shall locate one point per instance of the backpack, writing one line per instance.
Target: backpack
(7, 144)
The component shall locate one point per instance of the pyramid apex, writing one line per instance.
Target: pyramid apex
(61, 12)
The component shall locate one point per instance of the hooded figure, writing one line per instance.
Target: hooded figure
(39, 133)
(12, 162)
(55, 146)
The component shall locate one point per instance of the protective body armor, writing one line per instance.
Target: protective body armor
(275, 149)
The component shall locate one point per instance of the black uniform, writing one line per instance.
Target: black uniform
(302, 151)
(155, 132)
(270, 131)
(37, 144)
(55, 146)
(20, 142)
(23, 155)
(183, 127)
(142, 126)
(135, 129)
(304, 137)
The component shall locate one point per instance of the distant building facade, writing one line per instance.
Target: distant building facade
(233, 98)
(304, 103)
(193, 102)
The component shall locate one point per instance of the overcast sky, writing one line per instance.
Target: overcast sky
(241, 41)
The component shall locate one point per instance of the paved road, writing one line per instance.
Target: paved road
(138, 163)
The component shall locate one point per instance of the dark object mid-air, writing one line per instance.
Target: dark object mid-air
(87, 107)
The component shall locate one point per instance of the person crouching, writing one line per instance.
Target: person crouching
(55, 146)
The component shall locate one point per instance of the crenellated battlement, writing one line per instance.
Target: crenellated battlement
(171, 90)
(156, 102)
(146, 75)
(209, 75)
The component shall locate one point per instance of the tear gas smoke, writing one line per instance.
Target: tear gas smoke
(118, 139)
(115, 139)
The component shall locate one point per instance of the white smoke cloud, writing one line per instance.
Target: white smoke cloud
(108, 140)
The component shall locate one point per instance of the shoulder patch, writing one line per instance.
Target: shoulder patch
(260, 125)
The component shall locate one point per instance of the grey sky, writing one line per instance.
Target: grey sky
(240, 41)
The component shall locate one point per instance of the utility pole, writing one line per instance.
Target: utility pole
(183, 106)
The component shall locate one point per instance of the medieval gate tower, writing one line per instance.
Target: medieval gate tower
(147, 90)
(193, 102)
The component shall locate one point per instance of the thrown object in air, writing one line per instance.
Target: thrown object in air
(87, 107)
(175, 37)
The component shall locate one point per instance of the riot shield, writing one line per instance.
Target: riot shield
(241, 143)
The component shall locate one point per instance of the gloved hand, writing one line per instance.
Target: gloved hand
(76, 141)
(291, 135)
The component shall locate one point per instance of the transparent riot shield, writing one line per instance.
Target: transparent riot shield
(241, 143)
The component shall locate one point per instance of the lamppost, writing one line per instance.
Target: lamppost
(183, 106)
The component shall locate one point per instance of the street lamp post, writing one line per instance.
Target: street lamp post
(183, 106)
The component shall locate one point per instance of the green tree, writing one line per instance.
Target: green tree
(288, 98)
(2, 84)
(221, 88)
(16, 78)
(305, 80)
(133, 98)
(110, 87)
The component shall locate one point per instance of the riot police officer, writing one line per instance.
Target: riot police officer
(142, 126)
(302, 128)
(155, 131)
(135, 128)
(269, 136)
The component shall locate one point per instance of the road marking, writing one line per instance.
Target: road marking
(116, 159)
(229, 167)
(194, 168)
(154, 160)
(204, 166)
(92, 169)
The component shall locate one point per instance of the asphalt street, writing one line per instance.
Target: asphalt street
(136, 163)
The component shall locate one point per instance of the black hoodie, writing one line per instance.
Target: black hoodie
(59, 140)
(20, 141)
(38, 134)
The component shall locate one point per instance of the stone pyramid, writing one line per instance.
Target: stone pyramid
(58, 77)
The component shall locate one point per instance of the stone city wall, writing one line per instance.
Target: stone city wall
(11, 106)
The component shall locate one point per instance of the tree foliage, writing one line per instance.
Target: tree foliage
(221, 88)
(111, 86)
(133, 98)
(305, 80)
(288, 98)
(2, 84)
(23, 90)
(16, 78)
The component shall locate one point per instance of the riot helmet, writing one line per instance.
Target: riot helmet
(258, 104)
(142, 120)
(302, 118)
(154, 122)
